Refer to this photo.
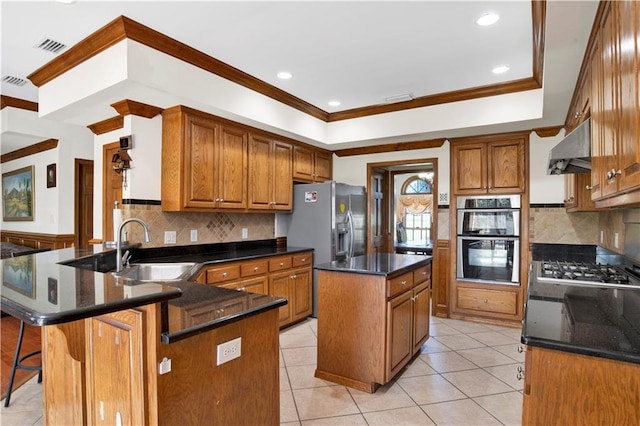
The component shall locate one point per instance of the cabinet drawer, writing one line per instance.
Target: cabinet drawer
(422, 274)
(399, 284)
(502, 302)
(302, 259)
(252, 268)
(223, 273)
(280, 263)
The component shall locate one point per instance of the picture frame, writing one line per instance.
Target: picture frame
(51, 176)
(18, 274)
(18, 195)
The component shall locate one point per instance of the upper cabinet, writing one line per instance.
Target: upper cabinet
(270, 177)
(615, 105)
(578, 193)
(489, 164)
(311, 165)
(204, 162)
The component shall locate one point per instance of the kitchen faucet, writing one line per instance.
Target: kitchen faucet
(147, 239)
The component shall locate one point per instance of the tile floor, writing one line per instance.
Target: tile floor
(465, 375)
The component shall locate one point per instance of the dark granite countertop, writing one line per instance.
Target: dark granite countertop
(377, 264)
(585, 319)
(70, 284)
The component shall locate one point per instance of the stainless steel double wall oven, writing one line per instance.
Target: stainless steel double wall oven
(488, 231)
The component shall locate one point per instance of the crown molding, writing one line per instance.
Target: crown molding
(107, 125)
(129, 107)
(29, 150)
(548, 132)
(8, 101)
(401, 146)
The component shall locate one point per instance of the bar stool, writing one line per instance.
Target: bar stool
(18, 364)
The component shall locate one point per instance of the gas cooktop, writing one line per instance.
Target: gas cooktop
(585, 273)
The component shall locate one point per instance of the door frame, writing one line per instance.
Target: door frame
(78, 199)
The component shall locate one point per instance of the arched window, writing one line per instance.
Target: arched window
(416, 185)
(415, 207)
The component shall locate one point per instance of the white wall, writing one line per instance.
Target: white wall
(544, 189)
(53, 207)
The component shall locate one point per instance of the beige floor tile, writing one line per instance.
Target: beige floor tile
(445, 362)
(485, 357)
(327, 401)
(516, 333)
(493, 338)
(290, 424)
(355, 420)
(302, 377)
(440, 329)
(508, 374)
(288, 412)
(417, 367)
(301, 327)
(397, 417)
(476, 383)
(459, 413)
(298, 340)
(300, 356)
(432, 345)
(430, 389)
(512, 351)
(387, 397)
(459, 341)
(467, 326)
(280, 359)
(284, 379)
(20, 417)
(506, 407)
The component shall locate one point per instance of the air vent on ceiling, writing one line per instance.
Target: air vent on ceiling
(399, 98)
(14, 80)
(50, 45)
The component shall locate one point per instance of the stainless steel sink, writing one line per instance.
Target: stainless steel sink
(158, 271)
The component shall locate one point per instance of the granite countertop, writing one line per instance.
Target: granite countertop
(384, 264)
(585, 319)
(69, 284)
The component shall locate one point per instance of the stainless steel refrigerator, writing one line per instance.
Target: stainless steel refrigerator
(330, 217)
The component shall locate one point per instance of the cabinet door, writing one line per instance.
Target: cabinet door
(399, 338)
(629, 155)
(506, 167)
(597, 122)
(301, 293)
(280, 285)
(421, 305)
(323, 166)
(200, 156)
(231, 174)
(569, 192)
(303, 167)
(254, 285)
(115, 370)
(282, 181)
(260, 173)
(469, 168)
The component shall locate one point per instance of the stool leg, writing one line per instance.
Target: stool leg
(15, 364)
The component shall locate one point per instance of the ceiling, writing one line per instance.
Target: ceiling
(358, 52)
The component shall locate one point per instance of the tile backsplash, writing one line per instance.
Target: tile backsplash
(211, 227)
(555, 225)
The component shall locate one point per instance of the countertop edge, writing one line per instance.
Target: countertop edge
(547, 344)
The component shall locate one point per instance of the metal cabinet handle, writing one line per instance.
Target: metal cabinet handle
(486, 301)
(520, 349)
(404, 282)
(255, 268)
(281, 263)
(588, 187)
(520, 376)
(224, 274)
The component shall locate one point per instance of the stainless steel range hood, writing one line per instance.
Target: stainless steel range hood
(573, 153)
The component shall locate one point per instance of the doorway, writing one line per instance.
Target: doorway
(83, 202)
(112, 190)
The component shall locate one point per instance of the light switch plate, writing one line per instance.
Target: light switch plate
(194, 235)
(169, 237)
(245, 233)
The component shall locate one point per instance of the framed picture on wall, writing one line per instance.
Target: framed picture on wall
(51, 176)
(18, 195)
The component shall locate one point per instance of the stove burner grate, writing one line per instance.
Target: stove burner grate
(582, 271)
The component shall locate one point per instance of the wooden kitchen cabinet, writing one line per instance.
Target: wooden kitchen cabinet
(578, 193)
(311, 165)
(270, 174)
(490, 164)
(295, 286)
(562, 388)
(204, 162)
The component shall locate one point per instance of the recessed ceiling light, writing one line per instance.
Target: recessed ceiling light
(500, 69)
(66, 1)
(488, 18)
(284, 75)
(334, 103)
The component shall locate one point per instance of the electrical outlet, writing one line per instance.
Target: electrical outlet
(194, 235)
(228, 351)
(245, 233)
(169, 237)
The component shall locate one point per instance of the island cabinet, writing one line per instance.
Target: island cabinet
(562, 388)
(287, 276)
(494, 164)
(204, 162)
(270, 173)
(370, 326)
(311, 165)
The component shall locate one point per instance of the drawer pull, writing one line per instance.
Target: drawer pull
(255, 268)
(281, 263)
(304, 259)
(486, 301)
(224, 274)
(424, 272)
(404, 282)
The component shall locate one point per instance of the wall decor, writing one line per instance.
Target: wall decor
(18, 274)
(18, 195)
(51, 176)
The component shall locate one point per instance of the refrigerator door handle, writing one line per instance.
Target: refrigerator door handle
(352, 240)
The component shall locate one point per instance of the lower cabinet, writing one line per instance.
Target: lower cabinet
(500, 304)
(563, 388)
(287, 276)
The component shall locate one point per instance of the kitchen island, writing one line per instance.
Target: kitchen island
(116, 351)
(582, 363)
(373, 317)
